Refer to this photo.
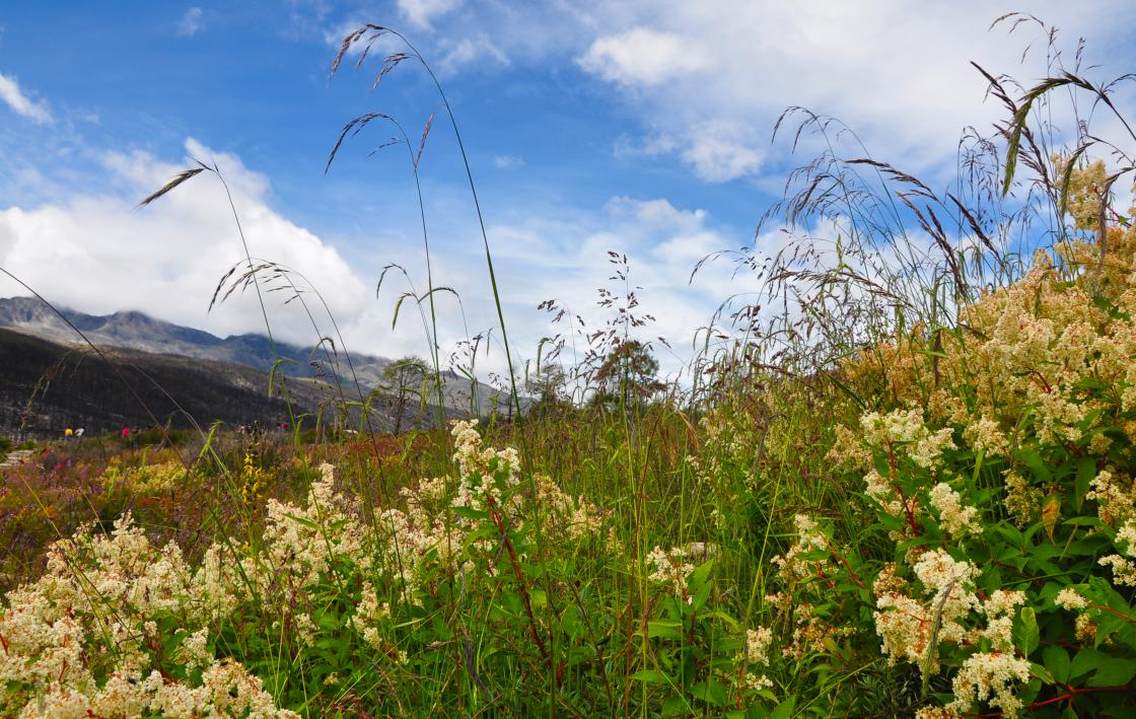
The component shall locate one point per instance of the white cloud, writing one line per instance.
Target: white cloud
(710, 78)
(538, 257)
(192, 22)
(707, 80)
(716, 150)
(657, 214)
(98, 252)
(643, 57)
(423, 12)
(721, 151)
(20, 103)
(468, 50)
(508, 162)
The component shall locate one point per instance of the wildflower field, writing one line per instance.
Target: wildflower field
(910, 494)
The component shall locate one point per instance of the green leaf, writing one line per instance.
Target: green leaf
(701, 595)
(724, 617)
(649, 676)
(1107, 625)
(1086, 471)
(700, 575)
(1056, 660)
(1037, 465)
(302, 521)
(784, 710)
(1113, 671)
(539, 598)
(665, 629)
(711, 692)
(677, 706)
(468, 513)
(1086, 661)
(1042, 673)
(1026, 634)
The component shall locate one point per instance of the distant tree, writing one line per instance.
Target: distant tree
(628, 373)
(404, 379)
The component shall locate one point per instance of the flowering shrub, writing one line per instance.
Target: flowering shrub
(1001, 480)
(112, 629)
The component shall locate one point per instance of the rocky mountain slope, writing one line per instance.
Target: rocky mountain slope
(46, 386)
(138, 331)
(42, 359)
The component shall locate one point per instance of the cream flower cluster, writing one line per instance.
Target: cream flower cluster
(985, 435)
(904, 431)
(948, 613)
(756, 653)
(1044, 365)
(956, 519)
(1116, 506)
(301, 546)
(809, 581)
(429, 535)
(671, 567)
(906, 623)
(792, 566)
(989, 677)
(78, 641)
(900, 432)
(1070, 599)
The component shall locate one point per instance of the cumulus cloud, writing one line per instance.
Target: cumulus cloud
(708, 80)
(722, 150)
(712, 77)
(18, 101)
(539, 257)
(192, 22)
(643, 57)
(98, 252)
(423, 12)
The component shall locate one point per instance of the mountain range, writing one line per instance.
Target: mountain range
(238, 365)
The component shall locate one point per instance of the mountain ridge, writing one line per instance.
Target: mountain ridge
(137, 332)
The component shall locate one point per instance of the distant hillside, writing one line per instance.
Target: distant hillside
(183, 355)
(138, 331)
(47, 386)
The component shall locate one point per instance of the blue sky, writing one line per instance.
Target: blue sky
(639, 127)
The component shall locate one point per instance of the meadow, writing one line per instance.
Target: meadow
(905, 490)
